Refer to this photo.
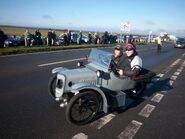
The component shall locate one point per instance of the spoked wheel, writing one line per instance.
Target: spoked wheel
(82, 108)
(52, 86)
(137, 91)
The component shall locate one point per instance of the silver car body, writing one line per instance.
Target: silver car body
(85, 78)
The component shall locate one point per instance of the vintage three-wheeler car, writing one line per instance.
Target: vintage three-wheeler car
(93, 87)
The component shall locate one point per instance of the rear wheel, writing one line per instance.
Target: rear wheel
(52, 86)
(82, 108)
(137, 91)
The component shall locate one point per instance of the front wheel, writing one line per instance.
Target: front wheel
(82, 108)
(137, 91)
(52, 86)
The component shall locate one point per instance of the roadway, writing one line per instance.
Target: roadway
(27, 110)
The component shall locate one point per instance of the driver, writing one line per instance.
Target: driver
(117, 59)
(132, 64)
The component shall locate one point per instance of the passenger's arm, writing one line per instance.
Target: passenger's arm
(133, 72)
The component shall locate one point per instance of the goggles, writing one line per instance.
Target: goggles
(129, 49)
(118, 48)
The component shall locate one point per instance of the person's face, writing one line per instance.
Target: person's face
(129, 52)
(117, 53)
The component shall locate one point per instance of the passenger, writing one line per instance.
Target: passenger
(132, 64)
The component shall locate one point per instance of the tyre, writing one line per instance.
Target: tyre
(82, 108)
(137, 91)
(52, 86)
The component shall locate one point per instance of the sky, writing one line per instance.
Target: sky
(144, 16)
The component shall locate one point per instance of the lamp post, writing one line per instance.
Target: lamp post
(149, 36)
(125, 27)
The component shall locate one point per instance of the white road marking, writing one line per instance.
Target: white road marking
(130, 130)
(161, 75)
(177, 61)
(146, 111)
(173, 77)
(179, 70)
(176, 73)
(80, 136)
(157, 98)
(172, 65)
(98, 124)
(60, 62)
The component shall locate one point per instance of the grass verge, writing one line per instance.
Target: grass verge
(22, 49)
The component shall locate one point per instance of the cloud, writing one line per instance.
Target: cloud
(47, 17)
(179, 32)
(149, 22)
(70, 23)
(162, 30)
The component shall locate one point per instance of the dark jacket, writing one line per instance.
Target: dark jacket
(49, 35)
(117, 63)
(38, 34)
(2, 38)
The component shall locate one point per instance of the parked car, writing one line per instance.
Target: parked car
(59, 41)
(13, 41)
(180, 43)
(85, 39)
(33, 41)
(120, 39)
(74, 36)
(93, 87)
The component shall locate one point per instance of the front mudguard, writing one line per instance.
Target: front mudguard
(59, 69)
(80, 87)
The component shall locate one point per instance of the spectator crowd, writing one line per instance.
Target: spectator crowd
(51, 39)
(67, 37)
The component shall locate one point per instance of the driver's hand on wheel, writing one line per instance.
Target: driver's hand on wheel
(120, 71)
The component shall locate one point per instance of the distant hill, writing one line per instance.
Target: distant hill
(19, 30)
